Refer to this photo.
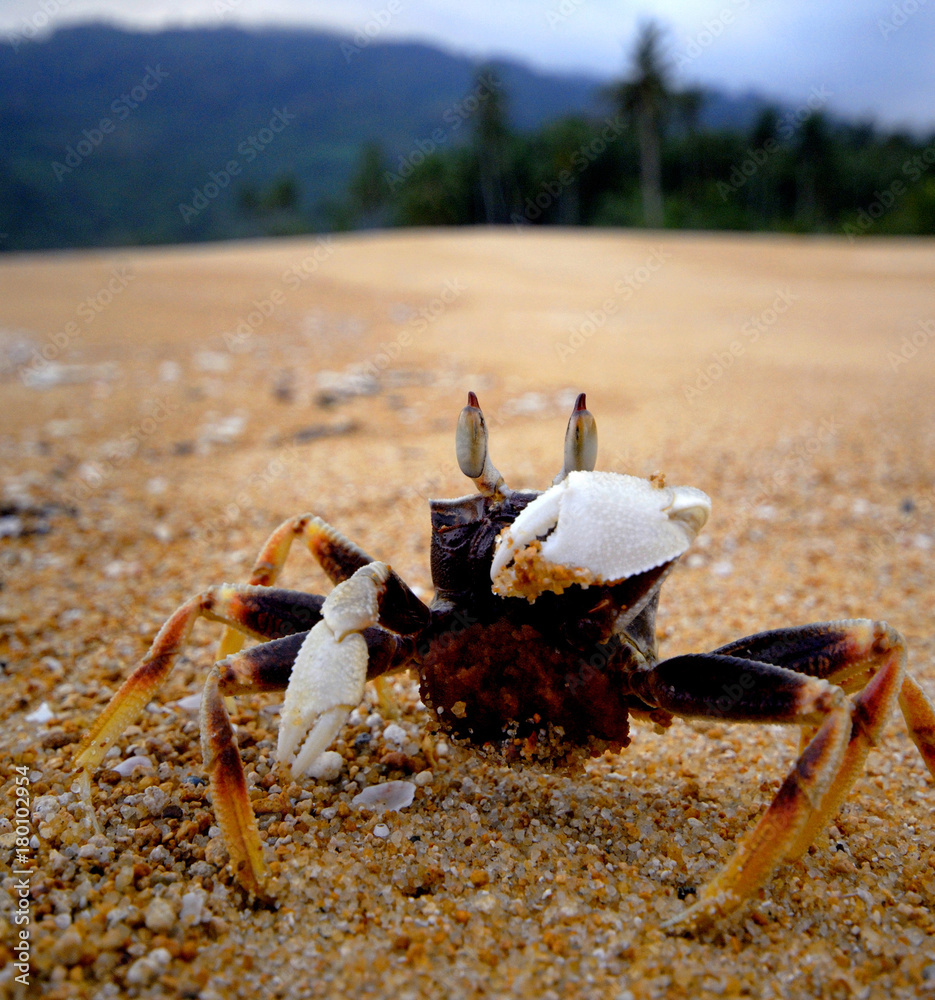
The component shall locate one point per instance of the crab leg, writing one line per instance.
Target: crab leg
(260, 612)
(817, 650)
(267, 667)
(920, 720)
(229, 790)
(741, 689)
(338, 557)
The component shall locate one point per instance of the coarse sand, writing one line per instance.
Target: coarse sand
(164, 409)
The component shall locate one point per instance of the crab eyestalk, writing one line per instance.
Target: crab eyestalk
(580, 441)
(471, 447)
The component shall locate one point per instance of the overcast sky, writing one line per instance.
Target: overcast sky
(876, 57)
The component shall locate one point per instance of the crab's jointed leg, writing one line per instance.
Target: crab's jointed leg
(259, 612)
(271, 667)
(338, 557)
(762, 691)
(811, 649)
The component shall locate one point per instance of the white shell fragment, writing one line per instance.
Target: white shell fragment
(190, 703)
(42, 714)
(126, 767)
(594, 528)
(391, 795)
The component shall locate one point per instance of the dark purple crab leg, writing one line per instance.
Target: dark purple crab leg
(259, 612)
(264, 613)
(820, 650)
(340, 558)
(738, 688)
(267, 667)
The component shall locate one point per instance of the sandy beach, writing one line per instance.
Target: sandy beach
(164, 409)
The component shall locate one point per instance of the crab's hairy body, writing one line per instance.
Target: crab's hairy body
(540, 639)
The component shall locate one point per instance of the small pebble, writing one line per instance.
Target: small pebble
(154, 800)
(160, 916)
(67, 950)
(327, 766)
(144, 970)
(193, 904)
(395, 734)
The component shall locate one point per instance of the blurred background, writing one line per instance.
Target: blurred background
(215, 119)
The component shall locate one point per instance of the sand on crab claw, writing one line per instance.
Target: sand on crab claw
(595, 528)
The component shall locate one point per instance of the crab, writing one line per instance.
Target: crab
(540, 638)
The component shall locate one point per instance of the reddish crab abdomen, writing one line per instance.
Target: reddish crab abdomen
(505, 681)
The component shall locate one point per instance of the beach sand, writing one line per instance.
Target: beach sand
(164, 409)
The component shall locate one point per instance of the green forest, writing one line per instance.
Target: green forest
(647, 162)
(121, 138)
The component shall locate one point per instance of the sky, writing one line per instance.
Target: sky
(866, 58)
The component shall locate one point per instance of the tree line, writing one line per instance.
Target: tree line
(645, 161)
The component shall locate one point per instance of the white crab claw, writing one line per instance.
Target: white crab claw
(352, 605)
(595, 528)
(330, 670)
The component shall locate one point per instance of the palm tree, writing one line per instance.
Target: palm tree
(644, 100)
(491, 143)
(368, 188)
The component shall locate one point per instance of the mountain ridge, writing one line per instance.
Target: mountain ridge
(182, 102)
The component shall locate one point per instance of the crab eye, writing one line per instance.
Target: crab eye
(580, 441)
(471, 448)
(471, 439)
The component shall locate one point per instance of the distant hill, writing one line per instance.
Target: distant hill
(114, 137)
